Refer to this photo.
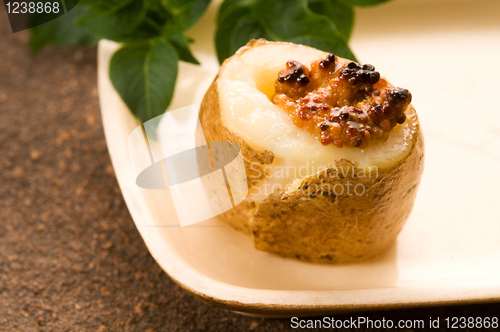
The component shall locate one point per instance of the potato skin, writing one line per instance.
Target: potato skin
(320, 227)
(317, 226)
(255, 161)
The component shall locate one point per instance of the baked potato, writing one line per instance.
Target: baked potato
(319, 190)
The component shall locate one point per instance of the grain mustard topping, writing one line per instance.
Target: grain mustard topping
(340, 104)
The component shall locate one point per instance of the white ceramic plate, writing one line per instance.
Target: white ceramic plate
(446, 53)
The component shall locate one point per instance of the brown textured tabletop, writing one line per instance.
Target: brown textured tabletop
(71, 258)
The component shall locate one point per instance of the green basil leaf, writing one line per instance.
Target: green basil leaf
(144, 76)
(297, 22)
(341, 14)
(111, 18)
(225, 44)
(336, 46)
(365, 3)
(178, 5)
(61, 32)
(157, 12)
(178, 40)
(186, 13)
(144, 31)
(278, 20)
(227, 4)
(150, 26)
(246, 28)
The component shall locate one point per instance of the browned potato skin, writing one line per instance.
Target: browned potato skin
(315, 226)
(215, 131)
(318, 227)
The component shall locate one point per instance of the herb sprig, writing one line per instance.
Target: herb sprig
(152, 32)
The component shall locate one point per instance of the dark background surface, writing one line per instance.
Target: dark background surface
(71, 258)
